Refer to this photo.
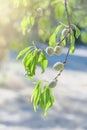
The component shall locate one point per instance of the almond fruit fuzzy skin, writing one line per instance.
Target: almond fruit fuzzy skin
(64, 32)
(58, 50)
(58, 66)
(50, 51)
(52, 84)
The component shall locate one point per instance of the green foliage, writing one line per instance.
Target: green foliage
(72, 38)
(52, 39)
(27, 23)
(44, 27)
(65, 33)
(77, 34)
(72, 42)
(43, 62)
(83, 22)
(46, 16)
(84, 36)
(59, 9)
(22, 52)
(42, 96)
(18, 2)
(77, 31)
(31, 58)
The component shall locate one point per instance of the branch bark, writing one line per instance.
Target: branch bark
(69, 24)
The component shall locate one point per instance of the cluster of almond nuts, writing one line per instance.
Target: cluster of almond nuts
(54, 50)
(58, 66)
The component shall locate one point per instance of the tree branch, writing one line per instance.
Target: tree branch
(69, 24)
(67, 13)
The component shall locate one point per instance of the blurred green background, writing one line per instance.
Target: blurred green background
(24, 21)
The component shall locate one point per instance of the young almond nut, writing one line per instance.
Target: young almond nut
(58, 50)
(64, 32)
(58, 66)
(52, 84)
(50, 51)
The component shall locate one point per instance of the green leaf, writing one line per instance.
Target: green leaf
(72, 42)
(27, 23)
(84, 36)
(22, 52)
(35, 98)
(42, 97)
(77, 32)
(33, 57)
(43, 100)
(32, 21)
(33, 63)
(29, 60)
(28, 56)
(30, 64)
(52, 40)
(63, 41)
(46, 101)
(58, 28)
(72, 49)
(51, 97)
(43, 62)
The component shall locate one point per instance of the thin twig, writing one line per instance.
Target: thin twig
(63, 38)
(67, 13)
(69, 24)
(56, 78)
(66, 56)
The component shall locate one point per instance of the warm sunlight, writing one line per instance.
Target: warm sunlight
(43, 64)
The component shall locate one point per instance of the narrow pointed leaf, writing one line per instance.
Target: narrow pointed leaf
(52, 40)
(43, 62)
(77, 34)
(72, 42)
(22, 52)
